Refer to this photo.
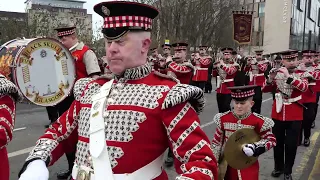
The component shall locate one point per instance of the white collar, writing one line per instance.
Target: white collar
(74, 46)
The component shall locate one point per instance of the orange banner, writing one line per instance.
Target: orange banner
(242, 27)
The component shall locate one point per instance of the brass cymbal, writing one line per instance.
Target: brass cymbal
(233, 153)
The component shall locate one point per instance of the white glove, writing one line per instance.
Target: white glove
(36, 170)
(248, 149)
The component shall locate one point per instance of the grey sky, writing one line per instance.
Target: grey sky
(19, 6)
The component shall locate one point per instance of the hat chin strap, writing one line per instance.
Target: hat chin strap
(117, 37)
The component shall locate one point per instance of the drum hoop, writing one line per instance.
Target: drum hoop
(6, 43)
(15, 72)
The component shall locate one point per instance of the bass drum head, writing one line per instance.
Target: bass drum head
(45, 72)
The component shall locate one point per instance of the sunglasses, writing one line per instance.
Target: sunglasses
(166, 48)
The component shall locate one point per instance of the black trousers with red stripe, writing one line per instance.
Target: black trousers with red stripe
(287, 134)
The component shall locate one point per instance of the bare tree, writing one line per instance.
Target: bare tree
(12, 28)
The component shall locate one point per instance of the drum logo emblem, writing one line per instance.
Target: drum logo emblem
(43, 53)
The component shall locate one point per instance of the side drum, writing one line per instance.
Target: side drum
(42, 68)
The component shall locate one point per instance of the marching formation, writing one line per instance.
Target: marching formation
(132, 114)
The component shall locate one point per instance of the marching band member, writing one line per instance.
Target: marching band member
(9, 95)
(182, 71)
(258, 67)
(179, 68)
(287, 112)
(225, 70)
(242, 117)
(202, 63)
(166, 50)
(309, 98)
(153, 58)
(316, 65)
(126, 122)
(87, 65)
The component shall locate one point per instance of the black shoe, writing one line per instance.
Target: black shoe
(306, 142)
(313, 124)
(169, 162)
(287, 177)
(276, 173)
(48, 125)
(64, 174)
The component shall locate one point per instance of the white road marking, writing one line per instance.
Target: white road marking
(19, 129)
(27, 150)
(266, 100)
(20, 152)
(211, 122)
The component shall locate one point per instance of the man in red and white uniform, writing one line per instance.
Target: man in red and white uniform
(153, 58)
(309, 98)
(242, 117)
(166, 51)
(224, 70)
(86, 64)
(316, 66)
(125, 122)
(287, 111)
(9, 95)
(201, 63)
(258, 68)
(179, 68)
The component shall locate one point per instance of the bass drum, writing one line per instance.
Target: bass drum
(42, 68)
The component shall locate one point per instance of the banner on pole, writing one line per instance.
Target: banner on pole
(242, 27)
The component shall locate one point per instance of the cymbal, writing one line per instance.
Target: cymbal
(233, 153)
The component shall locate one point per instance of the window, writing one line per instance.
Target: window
(319, 36)
(311, 11)
(309, 39)
(261, 9)
(319, 17)
(299, 5)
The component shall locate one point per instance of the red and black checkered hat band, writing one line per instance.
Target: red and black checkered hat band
(180, 48)
(66, 33)
(242, 94)
(308, 54)
(290, 56)
(127, 21)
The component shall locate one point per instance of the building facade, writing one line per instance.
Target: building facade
(291, 24)
(46, 15)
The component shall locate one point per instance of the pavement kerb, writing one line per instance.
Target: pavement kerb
(301, 169)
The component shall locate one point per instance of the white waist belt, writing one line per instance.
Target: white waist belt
(148, 172)
(227, 80)
(312, 84)
(291, 100)
(259, 75)
(201, 68)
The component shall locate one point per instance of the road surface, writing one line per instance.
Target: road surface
(30, 121)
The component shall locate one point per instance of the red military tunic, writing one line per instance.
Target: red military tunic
(8, 95)
(183, 71)
(226, 73)
(147, 113)
(317, 86)
(291, 93)
(227, 123)
(257, 71)
(310, 96)
(86, 62)
(201, 68)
